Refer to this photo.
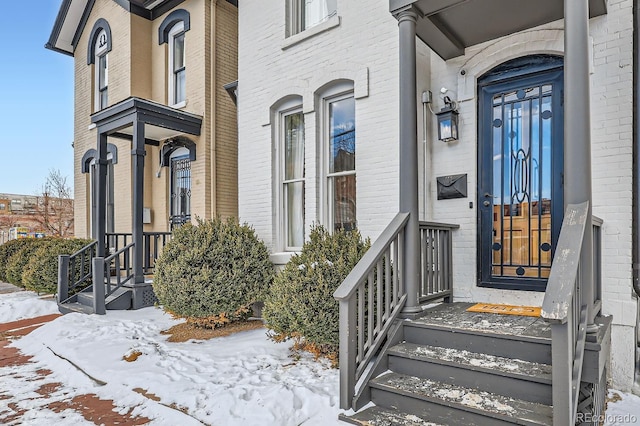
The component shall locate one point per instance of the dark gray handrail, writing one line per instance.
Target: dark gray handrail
(563, 309)
(370, 297)
(75, 271)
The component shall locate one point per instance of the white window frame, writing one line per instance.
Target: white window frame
(337, 93)
(297, 17)
(101, 52)
(282, 215)
(176, 30)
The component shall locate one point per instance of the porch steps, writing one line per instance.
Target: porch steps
(120, 299)
(454, 367)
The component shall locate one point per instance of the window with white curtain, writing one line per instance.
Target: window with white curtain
(292, 179)
(304, 14)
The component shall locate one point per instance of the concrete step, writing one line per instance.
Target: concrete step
(516, 378)
(378, 416)
(440, 402)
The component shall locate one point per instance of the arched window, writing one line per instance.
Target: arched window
(172, 31)
(99, 48)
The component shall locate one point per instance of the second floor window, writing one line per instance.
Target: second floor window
(102, 72)
(177, 69)
(305, 14)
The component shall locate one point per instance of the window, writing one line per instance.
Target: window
(177, 71)
(292, 179)
(340, 151)
(304, 14)
(180, 187)
(97, 54)
(102, 72)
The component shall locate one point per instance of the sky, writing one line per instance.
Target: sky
(36, 99)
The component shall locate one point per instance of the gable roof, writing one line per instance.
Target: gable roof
(73, 15)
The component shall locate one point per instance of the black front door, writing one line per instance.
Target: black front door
(520, 156)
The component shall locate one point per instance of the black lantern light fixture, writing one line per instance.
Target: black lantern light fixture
(448, 121)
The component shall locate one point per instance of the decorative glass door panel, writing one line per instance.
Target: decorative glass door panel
(520, 192)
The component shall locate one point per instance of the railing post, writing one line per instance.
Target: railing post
(348, 341)
(561, 371)
(99, 306)
(63, 277)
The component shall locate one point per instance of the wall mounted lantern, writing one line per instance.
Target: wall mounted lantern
(448, 121)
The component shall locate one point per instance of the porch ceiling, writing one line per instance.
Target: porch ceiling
(450, 26)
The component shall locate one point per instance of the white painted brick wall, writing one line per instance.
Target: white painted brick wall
(364, 44)
(368, 41)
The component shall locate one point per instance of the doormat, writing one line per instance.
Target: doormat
(489, 308)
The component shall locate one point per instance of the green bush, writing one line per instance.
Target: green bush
(17, 262)
(300, 304)
(7, 250)
(215, 269)
(41, 273)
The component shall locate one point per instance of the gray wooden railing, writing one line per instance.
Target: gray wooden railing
(370, 298)
(563, 309)
(436, 247)
(597, 266)
(109, 274)
(374, 293)
(74, 271)
(153, 242)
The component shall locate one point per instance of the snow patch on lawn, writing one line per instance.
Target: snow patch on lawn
(243, 379)
(25, 304)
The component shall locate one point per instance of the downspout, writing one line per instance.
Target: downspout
(636, 149)
(635, 227)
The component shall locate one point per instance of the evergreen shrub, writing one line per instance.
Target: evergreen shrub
(7, 250)
(17, 262)
(300, 304)
(214, 270)
(41, 272)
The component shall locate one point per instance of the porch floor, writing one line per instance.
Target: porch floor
(455, 316)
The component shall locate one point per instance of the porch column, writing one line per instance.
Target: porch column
(99, 213)
(577, 132)
(138, 153)
(409, 155)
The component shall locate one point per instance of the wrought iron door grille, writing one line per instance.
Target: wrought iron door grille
(522, 137)
(180, 191)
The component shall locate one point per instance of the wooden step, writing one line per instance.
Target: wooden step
(509, 336)
(442, 402)
(521, 379)
(378, 416)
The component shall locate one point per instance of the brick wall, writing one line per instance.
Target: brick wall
(138, 66)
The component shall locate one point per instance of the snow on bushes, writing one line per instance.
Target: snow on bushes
(215, 269)
(300, 304)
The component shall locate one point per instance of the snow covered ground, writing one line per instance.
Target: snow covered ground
(243, 379)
